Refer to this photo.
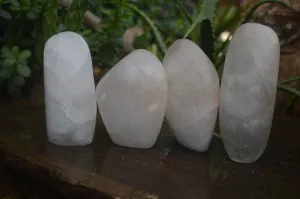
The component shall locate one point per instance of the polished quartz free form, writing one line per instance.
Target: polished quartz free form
(193, 94)
(70, 99)
(248, 91)
(132, 99)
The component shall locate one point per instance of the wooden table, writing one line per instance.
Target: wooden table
(15, 185)
(166, 171)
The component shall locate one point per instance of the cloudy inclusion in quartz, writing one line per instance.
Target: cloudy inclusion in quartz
(70, 100)
(193, 94)
(132, 99)
(248, 91)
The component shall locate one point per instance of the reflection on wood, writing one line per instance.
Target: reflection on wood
(105, 170)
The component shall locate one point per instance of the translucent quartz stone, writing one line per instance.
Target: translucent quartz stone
(132, 100)
(248, 91)
(193, 94)
(70, 98)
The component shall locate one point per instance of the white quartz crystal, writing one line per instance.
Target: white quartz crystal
(70, 98)
(248, 91)
(132, 100)
(193, 94)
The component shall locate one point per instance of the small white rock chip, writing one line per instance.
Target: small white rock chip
(132, 100)
(70, 97)
(193, 94)
(248, 91)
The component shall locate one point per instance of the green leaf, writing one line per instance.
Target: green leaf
(5, 72)
(207, 39)
(47, 27)
(227, 14)
(289, 89)
(18, 81)
(15, 3)
(230, 17)
(86, 32)
(184, 11)
(4, 14)
(9, 63)
(16, 51)
(223, 47)
(157, 34)
(74, 18)
(25, 54)
(289, 80)
(7, 53)
(208, 9)
(23, 70)
(195, 35)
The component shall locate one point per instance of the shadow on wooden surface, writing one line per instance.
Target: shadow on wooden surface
(166, 171)
(15, 185)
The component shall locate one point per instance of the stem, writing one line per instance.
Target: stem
(223, 45)
(222, 20)
(157, 34)
(253, 9)
(288, 89)
(220, 61)
(207, 11)
(184, 11)
(290, 80)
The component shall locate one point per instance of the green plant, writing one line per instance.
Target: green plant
(14, 69)
(73, 19)
(37, 20)
(205, 29)
(30, 9)
(106, 43)
(18, 21)
(29, 23)
(45, 28)
(284, 85)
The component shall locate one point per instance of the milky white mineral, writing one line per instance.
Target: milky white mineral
(70, 98)
(248, 91)
(193, 94)
(132, 100)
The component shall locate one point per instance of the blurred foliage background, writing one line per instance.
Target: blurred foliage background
(114, 28)
(27, 24)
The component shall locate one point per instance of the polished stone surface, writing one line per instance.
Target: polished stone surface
(167, 170)
(132, 99)
(69, 90)
(248, 91)
(193, 94)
